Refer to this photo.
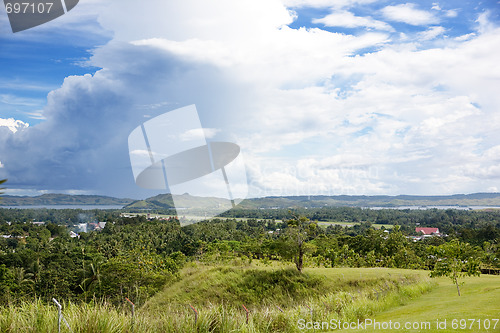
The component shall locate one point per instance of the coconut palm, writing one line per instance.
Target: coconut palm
(1, 182)
(23, 279)
(93, 280)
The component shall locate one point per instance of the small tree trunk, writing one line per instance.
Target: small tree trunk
(299, 262)
(456, 282)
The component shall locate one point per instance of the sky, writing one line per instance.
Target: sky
(324, 97)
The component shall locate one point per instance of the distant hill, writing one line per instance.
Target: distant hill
(164, 201)
(62, 199)
(476, 199)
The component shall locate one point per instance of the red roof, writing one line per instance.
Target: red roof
(427, 231)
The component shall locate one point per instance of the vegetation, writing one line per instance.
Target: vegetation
(164, 201)
(293, 243)
(134, 257)
(218, 265)
(350, 296)
(1, 182)
(456, 260)
(63, 199)
(479, 302)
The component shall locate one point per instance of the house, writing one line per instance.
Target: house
(82, 227)
(38, 223)
(428, 231)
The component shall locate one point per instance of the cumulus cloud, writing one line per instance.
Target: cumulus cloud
(465, 37)
(410, 14)
(326, 3)
(13, 125)
(484, 24)
(349, 20)
(193, 19)
(199, 133)
(313, 111)
(451, 13)
(431, 33)
(436, 6)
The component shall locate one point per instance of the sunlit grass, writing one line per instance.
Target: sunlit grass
(340, 294)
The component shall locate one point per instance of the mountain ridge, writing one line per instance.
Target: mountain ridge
(164, 201)
(50, 199)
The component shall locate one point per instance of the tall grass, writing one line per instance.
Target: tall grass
(99, 317)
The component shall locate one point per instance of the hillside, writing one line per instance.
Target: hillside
(258, 287)
(62, 199)
(164, 201)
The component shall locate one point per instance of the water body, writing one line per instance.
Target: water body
(103, 207)
(83, 207)
(436, 207)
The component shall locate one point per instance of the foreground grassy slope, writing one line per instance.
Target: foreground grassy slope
(277, 298)
(480, 300)
(259, 287)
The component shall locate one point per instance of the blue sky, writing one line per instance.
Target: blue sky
(323, 96)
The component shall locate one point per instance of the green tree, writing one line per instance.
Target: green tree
(23, 280)
(455, 260)
(295, 240)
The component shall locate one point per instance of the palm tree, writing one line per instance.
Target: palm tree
(94, 280)
(35, 271)
(23, 279)
(2, 188)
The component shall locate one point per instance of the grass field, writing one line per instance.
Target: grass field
(278, 300)
(258, 287)
(480, 300)
(351, 224)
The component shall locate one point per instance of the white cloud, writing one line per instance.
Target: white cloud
(408, 13)
(349, 20)
(431, 33)
(311, 116)
(436, 6)
(199, 133)
(448, 13)
(268, 60)
(451, 13)
(13, 125)
(140, 153)
(325, 3)
(193, 19)
(193, 134)
(484, 24)
(465, 37)
(210, 133)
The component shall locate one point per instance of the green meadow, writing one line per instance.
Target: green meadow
(473, 311)
(256, 298)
